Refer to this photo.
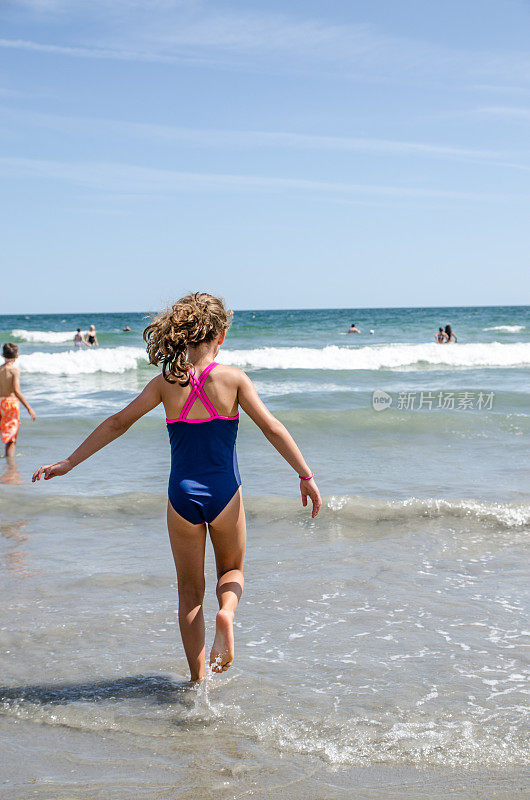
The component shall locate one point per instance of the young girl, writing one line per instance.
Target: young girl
(201, 400)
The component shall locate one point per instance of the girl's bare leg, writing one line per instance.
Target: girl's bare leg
(228, 534)
(187, 543)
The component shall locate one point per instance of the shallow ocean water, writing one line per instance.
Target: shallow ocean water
(380, 648)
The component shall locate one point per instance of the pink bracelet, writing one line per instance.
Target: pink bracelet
(308, 477)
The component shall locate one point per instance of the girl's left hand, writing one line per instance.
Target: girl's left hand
(310, 489)
(52, 470)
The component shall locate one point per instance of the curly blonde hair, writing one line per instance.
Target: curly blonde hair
(193, 319)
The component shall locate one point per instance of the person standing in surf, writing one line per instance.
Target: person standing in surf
(78, 339)
(10, 399)
(91, 337)
(451, 337)
(201, 399)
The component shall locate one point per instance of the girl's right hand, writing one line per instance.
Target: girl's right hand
(310, 489)
(52, 470)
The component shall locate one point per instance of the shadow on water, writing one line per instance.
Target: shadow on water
(159, 688)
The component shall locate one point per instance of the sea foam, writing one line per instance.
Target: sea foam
(84, 362)
(506, 328)
(505, 515)
(46, 337)
(393, 356)
(346, 509)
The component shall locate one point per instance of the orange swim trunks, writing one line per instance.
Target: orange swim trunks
(9, 419)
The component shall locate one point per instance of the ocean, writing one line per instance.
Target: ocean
(379, 648)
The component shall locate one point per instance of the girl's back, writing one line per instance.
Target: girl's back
(220, 388)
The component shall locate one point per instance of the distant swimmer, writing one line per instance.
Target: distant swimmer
(440, 336)
(126, 328)
(91, 338)
(353, 329)
(451, 337)
(78, 339)
(372, 333)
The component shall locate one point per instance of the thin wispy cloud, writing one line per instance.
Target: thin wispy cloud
(86, 52)
(90, 6)
(117, 178)
(236, 139)
(172, 31)
(505, 112)
(35, 5)
(499, 88)
(384, 134)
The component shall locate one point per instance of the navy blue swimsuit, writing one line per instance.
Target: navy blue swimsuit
(204, 473)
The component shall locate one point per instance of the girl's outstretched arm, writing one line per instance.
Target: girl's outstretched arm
(279, 437)
(105, 433)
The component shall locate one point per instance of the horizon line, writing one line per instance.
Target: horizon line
(279, 308)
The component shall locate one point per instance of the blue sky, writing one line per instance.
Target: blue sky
(283, 154)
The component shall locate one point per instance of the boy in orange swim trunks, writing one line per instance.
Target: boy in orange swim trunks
(10, 395)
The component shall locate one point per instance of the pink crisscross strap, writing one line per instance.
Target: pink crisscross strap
(198, 393)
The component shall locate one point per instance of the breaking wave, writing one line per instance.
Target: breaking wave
(506, 328)
(84, 362)
(46, 337)
(393, 356)
(390, 357)
(344, 508)
(505, 515)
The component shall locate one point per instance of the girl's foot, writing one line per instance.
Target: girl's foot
(222, 653)
(195, 680)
